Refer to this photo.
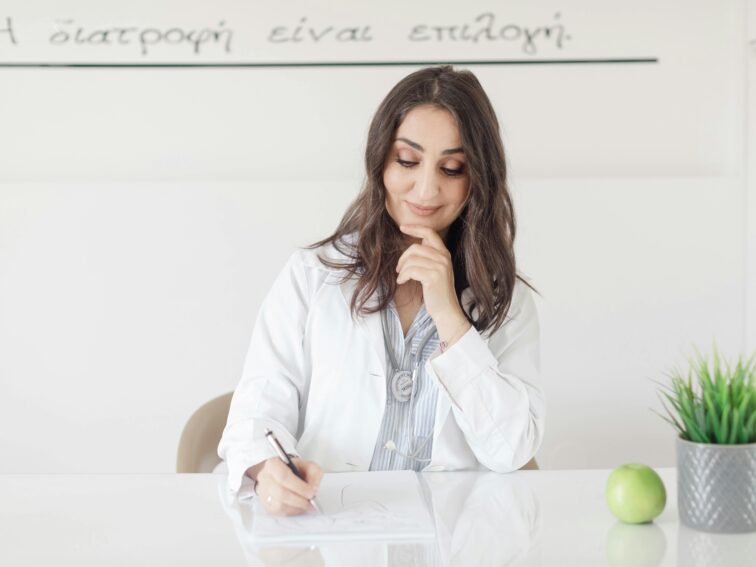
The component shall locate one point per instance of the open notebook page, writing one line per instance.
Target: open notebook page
(386, 505)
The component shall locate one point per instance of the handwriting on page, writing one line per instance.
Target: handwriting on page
(355, 505)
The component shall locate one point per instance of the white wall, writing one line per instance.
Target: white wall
(144, 212)
(751, 174)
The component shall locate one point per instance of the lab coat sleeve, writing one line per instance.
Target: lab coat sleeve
(273, 382)
(494, 387)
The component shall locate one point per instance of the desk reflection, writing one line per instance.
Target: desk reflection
(703, 549)
(641, 545)
(481, 519)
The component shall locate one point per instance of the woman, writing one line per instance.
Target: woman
(405, 340)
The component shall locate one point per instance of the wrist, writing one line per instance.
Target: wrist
(451, 332)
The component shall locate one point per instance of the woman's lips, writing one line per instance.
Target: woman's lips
(422, 211)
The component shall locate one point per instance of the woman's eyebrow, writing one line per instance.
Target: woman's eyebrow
(420, 148)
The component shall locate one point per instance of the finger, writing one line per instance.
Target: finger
(421, 262)
(429, 236)
(278, 497)
(419, 273)
(420, 267)
(278, 507)
(286, 511)
(286, 478)
(425, 252)
(268, 496)
(311, 471)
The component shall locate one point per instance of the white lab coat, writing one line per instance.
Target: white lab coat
(317, 378)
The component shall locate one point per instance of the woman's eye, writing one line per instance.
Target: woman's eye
(447, 171)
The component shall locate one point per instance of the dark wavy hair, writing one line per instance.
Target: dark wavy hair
(480, 240)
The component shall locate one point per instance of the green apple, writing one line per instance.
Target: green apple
(635, 493)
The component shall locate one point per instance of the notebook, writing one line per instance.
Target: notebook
(380, 505)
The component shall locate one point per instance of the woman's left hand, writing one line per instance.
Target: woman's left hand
(430, 263)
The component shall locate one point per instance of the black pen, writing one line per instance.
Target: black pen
(286, 459)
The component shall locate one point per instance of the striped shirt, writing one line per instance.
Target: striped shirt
(410, 438)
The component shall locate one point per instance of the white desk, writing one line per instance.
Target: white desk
(528, 518)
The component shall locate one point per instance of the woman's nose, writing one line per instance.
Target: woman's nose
(427, 184)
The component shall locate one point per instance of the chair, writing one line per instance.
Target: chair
(198, 447)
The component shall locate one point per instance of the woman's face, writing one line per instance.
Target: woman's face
(424, 174)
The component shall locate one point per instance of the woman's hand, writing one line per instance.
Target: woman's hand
(430, 263)
(279, 489)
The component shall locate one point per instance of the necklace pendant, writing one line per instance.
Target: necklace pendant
(401, 385)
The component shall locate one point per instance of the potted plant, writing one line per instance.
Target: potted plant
(714, 412)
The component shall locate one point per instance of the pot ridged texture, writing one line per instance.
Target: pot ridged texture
(716, 486)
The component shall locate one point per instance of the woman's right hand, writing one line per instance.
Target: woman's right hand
(279, 489)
